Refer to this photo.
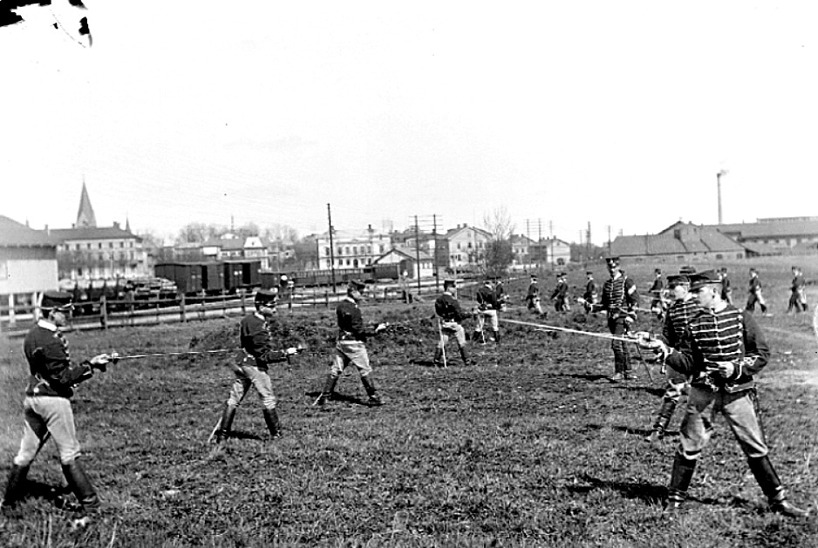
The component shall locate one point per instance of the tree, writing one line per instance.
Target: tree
(499, 252)
(199, 232)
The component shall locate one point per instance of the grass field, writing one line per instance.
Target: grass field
(531, 447)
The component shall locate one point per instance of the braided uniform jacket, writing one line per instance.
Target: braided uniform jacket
(258, 343)
(754, 285)
(447, 307)
(486, 299)
(727, 335)
(677, 321)
(619, 296)
(52, 373)
(590, 291)
(350, 322)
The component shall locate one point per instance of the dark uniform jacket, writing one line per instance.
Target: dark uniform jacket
(677, 320)
(590, 291)
(258, 343)
(619, 297)
(52, 373)
(728, 335)
(486, 299)
(350, 323)
(754, 285)
(560, 291)
(447, 307)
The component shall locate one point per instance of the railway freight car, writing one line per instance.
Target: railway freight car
(194, 278)
(241, 275)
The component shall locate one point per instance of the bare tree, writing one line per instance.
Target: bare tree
(499, 223)
(499, 253)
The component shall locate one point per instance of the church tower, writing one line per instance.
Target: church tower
(85, 214)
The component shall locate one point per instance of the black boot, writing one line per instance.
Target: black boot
(497, 337)
(770, 484)
(662, 420)
(680, 479)
(465, 355)
(14, 487)
(329, 389)
(81, 486)
(226, 423)
(371, 391)
(273, 425)
(438, 357)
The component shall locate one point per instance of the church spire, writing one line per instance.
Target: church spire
(85, 214)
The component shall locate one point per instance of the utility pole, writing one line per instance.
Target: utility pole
(539, 242)
(588, 243)
(609, 239)
(417, 253)
(331, 250)
(719, 175)
(435, 254)
(551, 232)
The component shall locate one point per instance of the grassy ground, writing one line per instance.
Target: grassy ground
(532, 447)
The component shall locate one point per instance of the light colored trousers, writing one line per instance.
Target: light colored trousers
(247, 375)
(350, 352)
(44, 415)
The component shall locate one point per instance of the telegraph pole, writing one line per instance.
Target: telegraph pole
(435, 253)
(331, 249)
(551, 232)
(417, 253)
(719, 175)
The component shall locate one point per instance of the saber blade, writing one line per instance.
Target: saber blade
(163, 354)
(544, 327)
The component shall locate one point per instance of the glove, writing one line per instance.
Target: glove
(100, 362)
(725, 369)
(291, 351)
(381, 327)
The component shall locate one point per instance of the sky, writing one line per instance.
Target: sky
(617, 114)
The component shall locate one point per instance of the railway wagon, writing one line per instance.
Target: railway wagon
(241, 274)
(382, 272)
(195, 277)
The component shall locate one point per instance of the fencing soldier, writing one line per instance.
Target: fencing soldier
(500, 294)
(258, 352)
(350, 347)
(532, 297)
(722, 352)
(450, 316)
(591, 295)
(47, 408)
(674, 330)
(798, 296)
(657, 291)
(754, 293)
(726, 290)
(560, 294)
(487, 307)
(619, 299)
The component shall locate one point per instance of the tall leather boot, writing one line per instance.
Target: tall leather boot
(770, 484)
(273, 424)
(497, 337)
(14, 487)
(329, 389)
(464, 354)
(226, 423)
(438, 361)
(680, 479)
(662, 420)
(81, 486)
(371, 391)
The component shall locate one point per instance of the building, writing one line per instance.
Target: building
(407, 258)
(467, 246)
(87, 251)
(28, 264)
(522, 247)
(351, 248)
(680, 242)
(555, 251)
(782, 233)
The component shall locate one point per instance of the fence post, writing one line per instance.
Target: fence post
(243, 309)
(103, 312)
(224, 304)
(326, 298)
(182, 308)
(12, 318)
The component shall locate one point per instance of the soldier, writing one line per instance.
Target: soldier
(560, 294)
(47, 408)
(674, 329)
(798, 297)
(754, 293)
(487, 307)
(500, 294)
(619, 299)
(726, 290)
(350, 347)
(722, 351)
(657, 291)
(258, 352)
(450, 316)
(532, 297)
(591, 295)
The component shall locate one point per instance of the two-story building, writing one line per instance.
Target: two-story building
(467, 246)
(28, 264)
(351, 248)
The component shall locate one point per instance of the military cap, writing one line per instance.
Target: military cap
(589, 273)
(702, 279)
(673, 281)
(356, 285)
(533, 276)
(612, 261)
(487, 282)
(657, 270)
(448, 283)
(265, 296)
(56, 299)
(687, 270)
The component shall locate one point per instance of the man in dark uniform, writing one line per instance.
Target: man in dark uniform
(591, 294)
(674, 330)
(754, 293)
(726, 290)
(258, 352)
(350, 347)
(450, 316)
(657, 292)
(532, 297)
(500, 294)
(487, 307)
(560, 294)
(798, 297)
(619, 299)
(723, 350)
(47, 406)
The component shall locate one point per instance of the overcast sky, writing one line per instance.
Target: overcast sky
(618, 113)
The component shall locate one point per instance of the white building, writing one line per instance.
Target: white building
(407, 258)
(351, 248)
(467, 245)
